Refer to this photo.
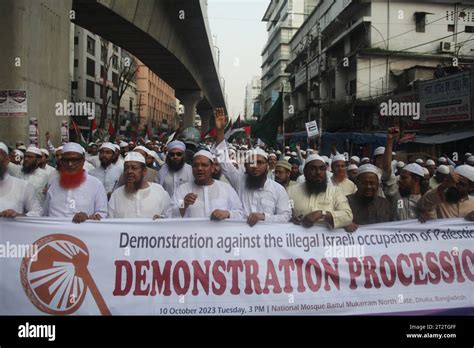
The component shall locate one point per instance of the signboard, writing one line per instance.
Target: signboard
(13, 103)
(33, 132)
(312, 129)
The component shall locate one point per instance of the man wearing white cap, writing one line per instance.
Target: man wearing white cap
(138, 198)
(470, 161)
(314, 201)
(44, 162)
(354, 160)
(17, 196)
(440, 176)
(16, 157)
(31, 172)
(205, 197)
(431, 166)
(352, 173)
(175, 171)
(262, 199)
(107, 173)
(93, 156)
(366, 205)
(74, 193)
(124, 148)
(364, 160)
(339, 177)
(272, 160)
(451, 199)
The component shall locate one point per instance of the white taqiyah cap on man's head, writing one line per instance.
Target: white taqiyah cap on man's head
(379, 151)
(466, 171)
(443, 169)
(123, 144)
(419, 161)
(400, 164)
(414, 168)
(367, 168)
(254, 153)
(4, 147)
(355, 158)
(442, 160)
(73, 147)
(430, 162)
(338, 158)
(365, 159)
(35, 150)
(352, 167)
(312, 158)
(46, 152)
(426, 171)
(135, 157)
(205, 154)
(19, 153)
(109, 146)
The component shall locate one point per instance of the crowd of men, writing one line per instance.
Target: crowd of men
(153, 180)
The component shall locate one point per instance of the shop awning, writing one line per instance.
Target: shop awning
(444, 138)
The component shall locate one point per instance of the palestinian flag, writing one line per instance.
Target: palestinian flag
(79, 138)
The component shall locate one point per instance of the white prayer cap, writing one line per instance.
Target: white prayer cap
(92, 144)
(254, 153)
(443, 169)
(59, 148)
(109, 146)
(147, 142)
(143, 148)
(352, 167)
(303, 152)
(338, 158)
(394, 153)
(425, 172)
(205, 154)
(379, 151)
(73, 147)
(116, 147)
(46, 152)
(414, 168)
(355, 158)
(467, 154)
(286, 158)
(154, 155)
(19, 153)
(4, 147)
(176, 144)
(400, 164)
(430, 162)
(365, 159)
(135, 157)
(325, 158)
(466, 171)
(470, 159)
(123, 144)
(293, 154)
(35, 150)
(272, 155)
(419, 161)
(22, 147)
(442, 160)
(278, 152)
(367, 168)
(312, 158)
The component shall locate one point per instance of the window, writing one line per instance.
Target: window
(73, 84)
(90, 45)
(102, 72)
(451, 27)
(115, 79)
(114, 98)
(90, 67)
(469, 29)
(420, 18)
(130, 104)
(76, 40)
(76, 63)
(103, 52)
(352, 87)
(115, 61)
(90, 89)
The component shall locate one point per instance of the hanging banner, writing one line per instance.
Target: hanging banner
(17, 103)
(33, 132)
(202, 267)
(312, 129)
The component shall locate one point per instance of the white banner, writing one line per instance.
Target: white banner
(312, 129)
(201, 267)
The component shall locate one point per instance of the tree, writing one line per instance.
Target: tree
(105, 87)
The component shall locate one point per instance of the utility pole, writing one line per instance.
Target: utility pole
(320, 109)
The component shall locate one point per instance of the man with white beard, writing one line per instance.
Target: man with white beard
(74, 193)
(205, 197)
(107, 173)
(175, 171)
(17, 196)
(138, 198)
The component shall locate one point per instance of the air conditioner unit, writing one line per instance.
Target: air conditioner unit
(446, 46)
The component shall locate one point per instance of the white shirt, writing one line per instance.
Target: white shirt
(109, 177)
(94, 160)
(38, 179)
(172, 180)
(88, 167)
(219, 195)
(346, 185)
(49, 169)
(145, 203)
(271, 199)
(19, 195)
(89, 197)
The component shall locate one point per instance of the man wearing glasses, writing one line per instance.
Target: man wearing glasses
(74, 193)
(175, 171)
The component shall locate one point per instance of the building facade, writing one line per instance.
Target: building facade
(252, 95)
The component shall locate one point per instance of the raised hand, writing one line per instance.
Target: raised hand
(220, 118)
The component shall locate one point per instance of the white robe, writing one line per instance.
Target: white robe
(19, 195)
(172, 180)
(38, 179)
(219, 195)
(94, 160)
(145, 203)
(271, 199)
(109, 177)
(89, 197)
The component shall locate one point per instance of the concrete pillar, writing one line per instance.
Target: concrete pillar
(190, 100)
(206, 119)
(35, 58)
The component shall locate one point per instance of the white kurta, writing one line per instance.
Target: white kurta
(19, 195)
(49, 169)
(94, 160)
(38, 179)
(271, 199)
(172, 180)
(144, 203)
(219, 195)
(89, 197)
(346, 185)
(109, 177)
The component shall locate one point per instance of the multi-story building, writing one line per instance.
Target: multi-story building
(283, 18)
(252, 94)
(372, 50)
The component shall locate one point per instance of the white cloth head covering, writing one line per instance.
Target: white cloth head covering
(400, 164)
(356, 158)
(35, 150)
(143, 148)
(414, 168)
(443, 169)
(470, 159)
(326, 159)
(442, 160)
(135, 157)
(367, 168)
(293, 154)
(466, 171)
(352, 167)
(22, 147)
(19, 153)
(467, 154)
(116, 147)
(123, 144)
(338, 158)
(312, 158)
(60, 148)
(155, 156)
(278, 152)
(46, 152)
(4, 147)
(425, 172)
(176, 144)
(365, 159)
(205, 154)
(379, 151)
(272, 155)
(109, 146)
(419, 161)
(254, 153)
(73, 147)
(430, 162)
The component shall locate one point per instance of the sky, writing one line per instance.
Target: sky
(241, 35)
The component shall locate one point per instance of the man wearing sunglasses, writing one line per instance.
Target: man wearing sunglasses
(175, 171)
(74, 193)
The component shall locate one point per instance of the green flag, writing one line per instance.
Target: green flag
(267, 128)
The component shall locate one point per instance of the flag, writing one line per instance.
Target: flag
(93, 128)
(79, 138)
(111, 128)
(267, 128)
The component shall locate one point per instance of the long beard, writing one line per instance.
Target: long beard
(71, 180)
(453, 195)
(132, 187)
(314, 187)
(174, 167)
(255, 182)
(404, 192)
(28, 169)
(105, 163)
(3, 171)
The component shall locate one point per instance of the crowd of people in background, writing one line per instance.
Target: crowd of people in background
(220, 180)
